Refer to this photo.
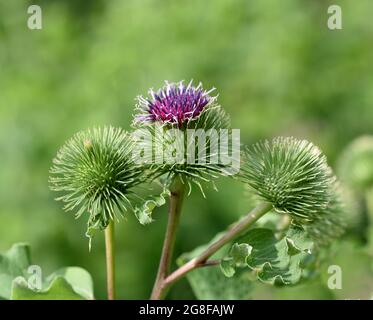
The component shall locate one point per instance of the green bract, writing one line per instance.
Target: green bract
(94, 172)
(356, 164)
(292, 175)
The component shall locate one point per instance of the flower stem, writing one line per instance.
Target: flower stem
(176, 200)
(110, 260)
(231, 233)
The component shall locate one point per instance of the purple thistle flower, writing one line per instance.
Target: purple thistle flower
(174, 103)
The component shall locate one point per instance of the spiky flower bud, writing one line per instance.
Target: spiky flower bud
(292, 175)
(94, 173)
(356, 163)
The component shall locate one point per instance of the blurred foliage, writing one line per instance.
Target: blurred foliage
(356, 164)
(277, 67)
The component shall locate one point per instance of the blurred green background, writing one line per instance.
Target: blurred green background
(277, 67)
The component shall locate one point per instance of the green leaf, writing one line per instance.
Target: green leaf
(211, 284)
(13, 263)
(258, 254)
(277, 261)
(240, 252)
(59, 289)
(227, 268)
(298, 241)
(66, 283)
(144, 212)
(236, 258)
(79, 279)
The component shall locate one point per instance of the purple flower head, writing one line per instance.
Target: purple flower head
(174, 103)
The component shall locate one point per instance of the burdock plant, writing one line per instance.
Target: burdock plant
(181, 139)
(94, 174)
(290, 176)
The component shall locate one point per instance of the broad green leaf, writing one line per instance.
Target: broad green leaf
(210, 283)
(257, 254)
(66, 283)
(144, 212)
(277, 261)
(79, 279)
(13, 263)
(59, 289)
